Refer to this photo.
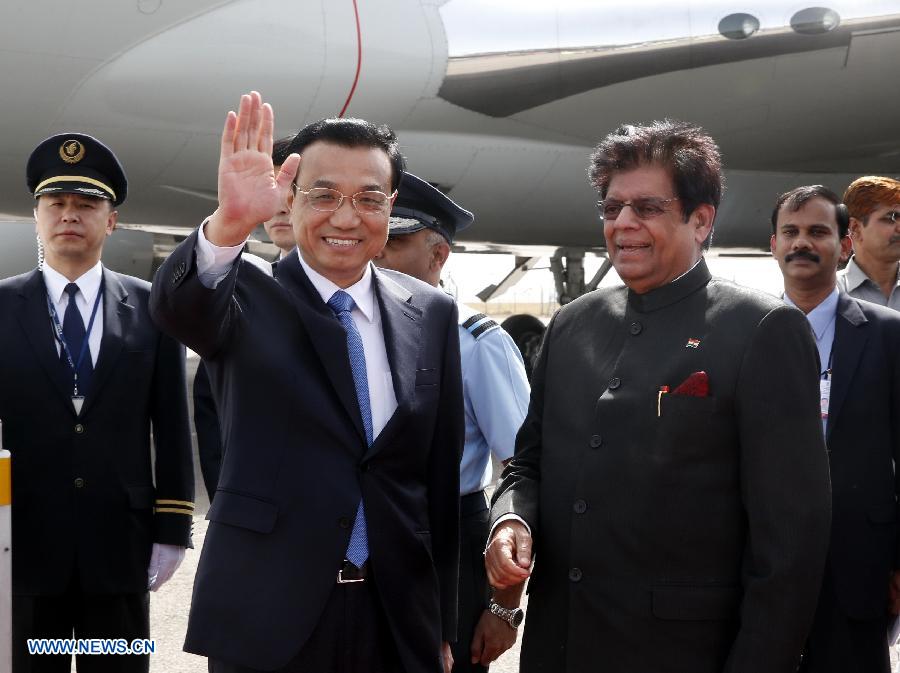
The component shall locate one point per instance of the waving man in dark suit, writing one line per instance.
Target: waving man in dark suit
(333, 536)
(671, 469)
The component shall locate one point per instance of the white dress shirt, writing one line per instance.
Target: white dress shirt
(214, 263)
(88, 288)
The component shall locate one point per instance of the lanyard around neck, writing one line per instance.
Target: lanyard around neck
(61, 338)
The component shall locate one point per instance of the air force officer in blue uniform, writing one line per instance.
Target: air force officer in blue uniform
(423, 224)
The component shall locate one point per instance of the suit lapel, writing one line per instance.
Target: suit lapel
(850, 338)
(34, 319)
(326, 334)
(118, 320)
(401, 325)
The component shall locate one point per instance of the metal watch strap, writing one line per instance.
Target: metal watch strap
(508, 615)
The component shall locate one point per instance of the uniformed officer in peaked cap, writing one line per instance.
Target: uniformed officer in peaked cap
(424, 222)
(86, 380)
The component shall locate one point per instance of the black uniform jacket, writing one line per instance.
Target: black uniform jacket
(295, 460)
(678, 533)
(863, 437)
(209, 436)
(85, 501)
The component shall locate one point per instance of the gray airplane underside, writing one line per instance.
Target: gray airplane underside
(498, 102)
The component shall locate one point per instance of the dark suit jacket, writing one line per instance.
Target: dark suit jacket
(863, 437)
(295, 460)
(209, 437)
(206, 423)
(84, 497)
(672, 533)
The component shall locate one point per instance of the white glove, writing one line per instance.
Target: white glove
(164, 561)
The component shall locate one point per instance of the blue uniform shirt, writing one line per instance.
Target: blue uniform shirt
(495, 395)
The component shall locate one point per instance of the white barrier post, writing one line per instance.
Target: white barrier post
(5, 560)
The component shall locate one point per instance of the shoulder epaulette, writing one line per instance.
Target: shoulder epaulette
(478, 324)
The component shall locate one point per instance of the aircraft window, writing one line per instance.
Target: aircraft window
(738, 26)
(815, 21)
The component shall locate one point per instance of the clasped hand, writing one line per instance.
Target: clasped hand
(507, 558)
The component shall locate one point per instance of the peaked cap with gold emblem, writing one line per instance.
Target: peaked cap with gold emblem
(75, 163)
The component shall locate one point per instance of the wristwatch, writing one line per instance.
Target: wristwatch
(512, 616)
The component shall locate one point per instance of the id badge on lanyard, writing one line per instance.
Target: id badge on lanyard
(77, 398)
(825, 388)
(825, 395)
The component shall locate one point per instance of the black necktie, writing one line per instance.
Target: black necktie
(74, 334)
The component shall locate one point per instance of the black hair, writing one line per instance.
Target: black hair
(796, 198)
(281, 150)
(685, 150)
(351, 132)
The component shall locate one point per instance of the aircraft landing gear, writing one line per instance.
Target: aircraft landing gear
(567, 266)
(527, 332)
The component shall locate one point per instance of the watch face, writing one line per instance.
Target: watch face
(517, 616)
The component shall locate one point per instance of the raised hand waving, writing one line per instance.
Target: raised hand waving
(249, 193)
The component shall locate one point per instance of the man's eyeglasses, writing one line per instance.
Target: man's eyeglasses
(328, 200)
(891, 217)
(645, 208)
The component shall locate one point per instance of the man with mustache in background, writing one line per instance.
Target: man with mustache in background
(873, 272)
(859, 351)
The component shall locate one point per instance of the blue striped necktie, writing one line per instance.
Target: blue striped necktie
(342, 304)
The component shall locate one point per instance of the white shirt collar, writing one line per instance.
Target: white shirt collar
(361, 291)
(88, 283)
(822, 315)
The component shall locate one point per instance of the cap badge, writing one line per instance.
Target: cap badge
(71, 151)
(92, 191)
(395, 221)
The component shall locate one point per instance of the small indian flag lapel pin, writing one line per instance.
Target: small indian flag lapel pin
(692, 343)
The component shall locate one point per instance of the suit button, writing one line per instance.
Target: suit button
(79, 483)
(79, 428)
(614, 383)
(635, 328)
(580, 507)
(344, 522)
(596, 441)
(575, 575)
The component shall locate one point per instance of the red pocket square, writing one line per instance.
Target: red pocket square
(695, 385)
